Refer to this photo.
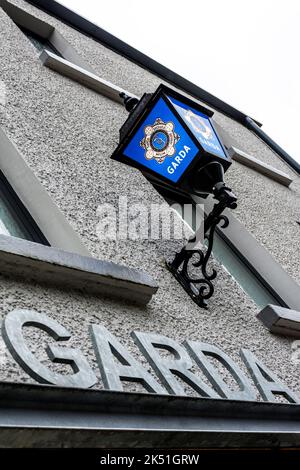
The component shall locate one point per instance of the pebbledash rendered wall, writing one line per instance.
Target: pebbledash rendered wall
(66, 133)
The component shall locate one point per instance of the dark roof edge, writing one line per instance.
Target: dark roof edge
(117, 45)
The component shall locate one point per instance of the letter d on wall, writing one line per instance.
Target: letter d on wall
(83, 376)
(201, 352)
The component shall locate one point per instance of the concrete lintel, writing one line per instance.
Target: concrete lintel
(261, 167)
(83, 76)
(280, 320)
(22, 258)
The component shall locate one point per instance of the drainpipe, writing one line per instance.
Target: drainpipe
(282, 153)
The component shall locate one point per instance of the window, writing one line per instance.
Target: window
(39, 42)
(227, 255)
(57, 54)
(43, 36)
(25, 200)
(15, 220)
(241, 273)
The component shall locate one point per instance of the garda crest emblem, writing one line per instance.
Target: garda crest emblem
(159, 141)
(198, 124)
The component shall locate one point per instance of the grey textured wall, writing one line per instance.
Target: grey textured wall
(66, 134)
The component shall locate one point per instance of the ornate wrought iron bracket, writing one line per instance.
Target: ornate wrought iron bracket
(200, 289)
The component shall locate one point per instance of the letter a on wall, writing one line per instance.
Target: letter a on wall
(116, 364)
(265, 380)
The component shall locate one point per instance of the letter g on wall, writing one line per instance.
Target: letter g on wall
(12, 326)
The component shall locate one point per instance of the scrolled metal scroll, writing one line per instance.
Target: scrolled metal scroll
(200, 288)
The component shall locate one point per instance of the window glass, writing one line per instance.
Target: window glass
(226, 256)
(241, 273)
(9, 223)
(15, 220)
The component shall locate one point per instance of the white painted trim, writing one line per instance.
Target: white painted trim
(261, 167)
(39, 204)
(83, 76)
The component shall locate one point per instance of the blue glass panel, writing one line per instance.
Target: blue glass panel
(162, 144)
(201, 127)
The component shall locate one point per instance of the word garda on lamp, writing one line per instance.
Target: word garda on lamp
(117, 364)
(178, 160)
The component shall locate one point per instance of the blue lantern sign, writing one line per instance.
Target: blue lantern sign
(201, 127)
(161, 144)
(168, 136)
(172, 140)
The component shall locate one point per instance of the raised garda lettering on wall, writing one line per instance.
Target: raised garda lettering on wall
(116, 364)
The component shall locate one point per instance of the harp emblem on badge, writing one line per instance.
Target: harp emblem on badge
(159, 140)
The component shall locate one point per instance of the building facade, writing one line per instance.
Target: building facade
(68, 286)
